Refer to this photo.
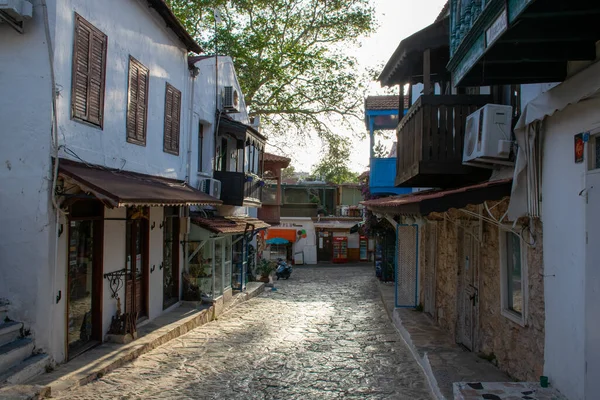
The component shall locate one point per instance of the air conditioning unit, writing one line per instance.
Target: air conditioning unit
(18, 10)
(210, 186)
(488, 140)
(231, 99)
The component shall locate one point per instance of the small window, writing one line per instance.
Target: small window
(172, 117)
(514, 277)
(137, 102)
(200, 146)
(89, 73)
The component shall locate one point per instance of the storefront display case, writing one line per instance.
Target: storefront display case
(340, 249)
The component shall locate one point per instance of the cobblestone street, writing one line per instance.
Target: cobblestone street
(323, 334)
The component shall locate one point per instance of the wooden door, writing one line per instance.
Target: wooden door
(136, 288)
(429, 282)
(468, 284)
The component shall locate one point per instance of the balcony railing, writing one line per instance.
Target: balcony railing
(236, 191)
(430, 142)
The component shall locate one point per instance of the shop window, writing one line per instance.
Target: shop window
(513, 285)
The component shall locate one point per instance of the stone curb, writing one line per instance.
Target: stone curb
(422, 361)
(142, 345)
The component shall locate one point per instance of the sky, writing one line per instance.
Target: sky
(397, 19)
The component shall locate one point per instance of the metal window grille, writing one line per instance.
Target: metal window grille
(407, 264)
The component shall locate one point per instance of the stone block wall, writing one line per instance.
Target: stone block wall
(517, 350)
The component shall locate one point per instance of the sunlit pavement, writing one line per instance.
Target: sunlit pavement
(323, 334)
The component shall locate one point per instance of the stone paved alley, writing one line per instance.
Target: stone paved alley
(323, 334)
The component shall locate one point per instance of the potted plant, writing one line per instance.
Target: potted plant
(265, 269)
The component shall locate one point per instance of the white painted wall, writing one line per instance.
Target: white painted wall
(155, 300)
(564, 248)
(114, 260)
(132, 29)
(306, 245)
(28, 236)
(27, 231)
(205, 110)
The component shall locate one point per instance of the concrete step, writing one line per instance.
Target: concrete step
(14, 352)
(9, 331)
(28, 369)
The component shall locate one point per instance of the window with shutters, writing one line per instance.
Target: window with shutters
(137, 103)
(89, 72)
(172, 116)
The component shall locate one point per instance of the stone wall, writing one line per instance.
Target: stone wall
(517, 350)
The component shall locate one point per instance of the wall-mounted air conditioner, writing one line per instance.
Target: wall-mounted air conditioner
(488, 136)
(210, 186)
(231, 99)
(18, 10)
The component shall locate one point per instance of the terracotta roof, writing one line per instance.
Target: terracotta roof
(433, 195)
(275, 158)
(123, 188)
(176, 26)
(384, 102)
(228, 225)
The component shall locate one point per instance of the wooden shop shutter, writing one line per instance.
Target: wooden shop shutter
(89, 72)
(172, 116)
(137, 104)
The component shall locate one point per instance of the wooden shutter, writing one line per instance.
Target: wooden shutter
(137, 104)
(172, 118)
(89, 72)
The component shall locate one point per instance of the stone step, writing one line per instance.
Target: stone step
(28, 369)
(3, 311)
(14, 352)
(10, 331)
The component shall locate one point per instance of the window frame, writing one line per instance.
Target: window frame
(168, 145)
(200, 168)
(140, 66)
(519, 318)
(79, 20)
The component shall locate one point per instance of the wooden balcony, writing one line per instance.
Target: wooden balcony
(236, 191)
(430, 142)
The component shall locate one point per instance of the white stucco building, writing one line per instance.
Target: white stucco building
(108, 118)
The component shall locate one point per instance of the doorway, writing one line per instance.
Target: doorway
(84, 277)
(170, 256)
(592, 281)
(325, 249)
(468, 284)
(136, 248)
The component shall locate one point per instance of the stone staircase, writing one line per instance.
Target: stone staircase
(18, 359)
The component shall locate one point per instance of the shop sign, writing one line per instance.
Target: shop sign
(579, 148)
(497, 28)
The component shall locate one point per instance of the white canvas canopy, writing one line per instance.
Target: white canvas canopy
(583, 85)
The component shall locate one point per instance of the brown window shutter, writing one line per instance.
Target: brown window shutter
(172, 119)
(89, 72)
(137, 105)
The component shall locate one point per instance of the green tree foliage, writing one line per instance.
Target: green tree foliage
(289, 172)
(333, 166)
(290, 56)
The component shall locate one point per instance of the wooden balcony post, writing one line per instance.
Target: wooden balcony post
(427, 72)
